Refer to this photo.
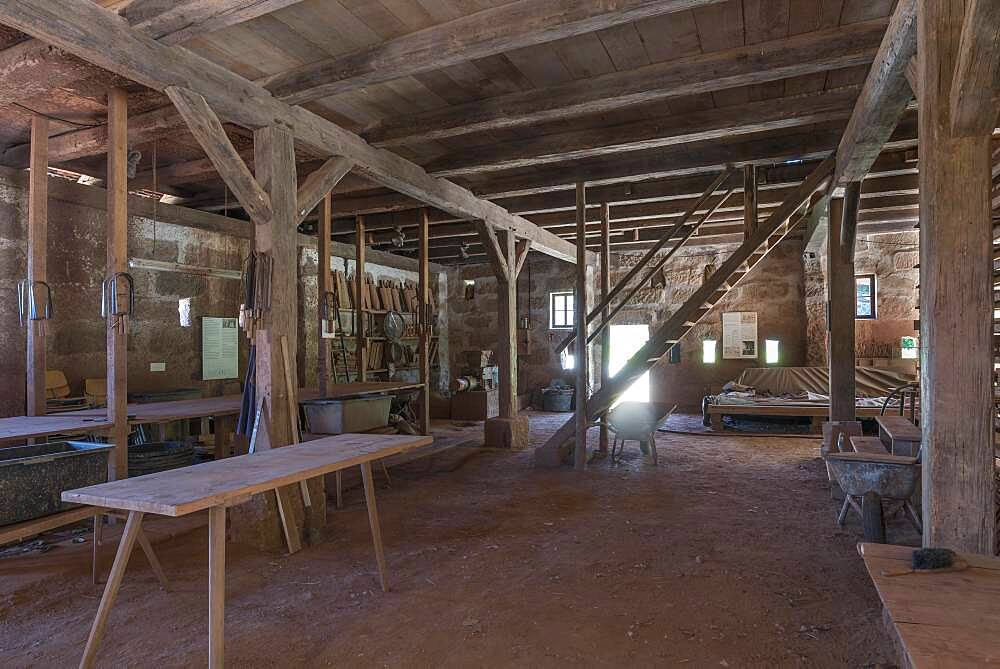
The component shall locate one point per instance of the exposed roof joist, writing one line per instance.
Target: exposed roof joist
(106, 40)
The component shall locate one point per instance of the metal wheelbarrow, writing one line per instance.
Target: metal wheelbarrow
(637, 421)
(870, 478)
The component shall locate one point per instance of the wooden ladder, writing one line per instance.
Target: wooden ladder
(744, 259)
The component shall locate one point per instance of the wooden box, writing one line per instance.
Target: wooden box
(475, 405)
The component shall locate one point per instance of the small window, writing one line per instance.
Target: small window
(908, 348)
(864, 296)
(561, 311)
(708, 351)
(771, 351)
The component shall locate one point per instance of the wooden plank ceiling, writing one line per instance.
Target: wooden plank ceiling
(644, 111)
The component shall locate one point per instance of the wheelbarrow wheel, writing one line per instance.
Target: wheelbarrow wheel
(871, 518)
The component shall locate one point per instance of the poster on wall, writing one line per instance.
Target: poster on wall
(220, 348)
(739, 335)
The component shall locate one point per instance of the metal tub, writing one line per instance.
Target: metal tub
(33, 478)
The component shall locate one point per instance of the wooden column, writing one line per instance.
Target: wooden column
(274, 163)
(38, 214)
(955, 301)
(749, 200)
(840, 320)
(117, 261)
(605, 313)
(507, 327)
(360, 324)
(580, 304)
(325, 285)
(426, 323)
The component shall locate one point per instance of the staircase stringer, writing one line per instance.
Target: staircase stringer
(742, 261)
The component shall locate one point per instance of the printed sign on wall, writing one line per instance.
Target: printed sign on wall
(220, 348)
(739, 335)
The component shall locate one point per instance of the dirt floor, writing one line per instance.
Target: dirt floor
(727, 554)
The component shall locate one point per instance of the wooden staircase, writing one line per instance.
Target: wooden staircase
(743, 260)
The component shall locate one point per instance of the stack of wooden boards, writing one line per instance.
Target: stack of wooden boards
(381, 295)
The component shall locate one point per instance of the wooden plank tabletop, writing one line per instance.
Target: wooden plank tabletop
(949, 619)
(19, 428)
(178, 492)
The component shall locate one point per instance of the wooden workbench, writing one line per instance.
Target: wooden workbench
(817, 412)
(216, 485)
(21, 428)
(949, 619)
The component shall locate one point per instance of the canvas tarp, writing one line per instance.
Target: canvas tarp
(868, 381)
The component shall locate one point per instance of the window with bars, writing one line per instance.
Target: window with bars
(864, 296)
(561, 311)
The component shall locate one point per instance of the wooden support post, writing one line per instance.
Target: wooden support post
(117, 261)
(360, 313)
(849, 223)
(840, 326)
(956, 298)
(507, 328)
(580, 305)
(425, 322)
(325, 287)
(38, 205)
(749, 200)
(605, 314)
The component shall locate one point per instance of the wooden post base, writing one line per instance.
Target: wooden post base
(511, 433)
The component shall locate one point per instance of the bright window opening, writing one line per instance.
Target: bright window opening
(908, 349)
(771, 351)
(626, 340)
(708, 351)
(568, 360)
(561, 310)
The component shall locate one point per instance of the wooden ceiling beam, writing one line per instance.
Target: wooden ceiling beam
(705, 125)
(34, 68)
(491, 31)
(769, 61)
(106, 40)
(884, 97)
(974, 86)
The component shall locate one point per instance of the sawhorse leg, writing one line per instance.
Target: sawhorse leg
(132, 528)
(216, 585)
(368, 479)
(147, 549)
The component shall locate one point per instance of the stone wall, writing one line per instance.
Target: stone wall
(892, 258)
(473, 322)
(76, 336)
(76, 262)
(774, 290)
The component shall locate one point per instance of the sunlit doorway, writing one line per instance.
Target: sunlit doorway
(625, 341)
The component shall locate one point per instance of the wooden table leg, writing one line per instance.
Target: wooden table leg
(154, 562)
(340, 489)
(368, 479)
(716, 419)
(95, 565)
(216, 584)
(224, 426)
(125, 546)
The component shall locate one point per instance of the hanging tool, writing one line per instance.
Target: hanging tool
(255, 285)
(28, 307)
(111, 308)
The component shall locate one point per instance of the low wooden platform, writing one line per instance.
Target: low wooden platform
(948, 619)
(817, 412)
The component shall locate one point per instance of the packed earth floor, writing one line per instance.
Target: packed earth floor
(726, 554)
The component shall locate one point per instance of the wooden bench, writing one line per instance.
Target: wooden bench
(216, 485)
(899, 435)
(944, 619)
